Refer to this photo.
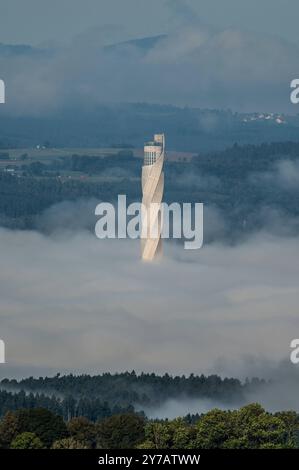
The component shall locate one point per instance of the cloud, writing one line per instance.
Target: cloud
(175, 408)
(183, 12)
(193, 179)
(279, 392)
(72, 302)
(284, 173)
(194, 65)
(67, 216)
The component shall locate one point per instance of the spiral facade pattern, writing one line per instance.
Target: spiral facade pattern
(152, 193)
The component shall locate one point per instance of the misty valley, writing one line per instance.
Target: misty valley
(149, 232)
(48, 198)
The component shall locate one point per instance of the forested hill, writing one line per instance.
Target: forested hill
(248, 187)
(128, 388)
(187, 129)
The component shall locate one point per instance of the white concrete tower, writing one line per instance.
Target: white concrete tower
(152, 193)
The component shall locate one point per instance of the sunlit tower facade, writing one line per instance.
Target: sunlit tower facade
(152, 194)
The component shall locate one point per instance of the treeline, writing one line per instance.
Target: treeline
(24, 197)
(250, 427)
(67, 407)
(240, 183)
(248, 156)
(129, 388)
(96, 165)
(88, 164)
(187, 129)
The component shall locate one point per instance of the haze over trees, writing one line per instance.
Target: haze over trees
(187, 129)
(247, 188)
(102, 396)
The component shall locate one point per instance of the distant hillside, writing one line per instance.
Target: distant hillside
(244, 188)
(7, 50)
(100, 125)
(129, 388)
(186, 129)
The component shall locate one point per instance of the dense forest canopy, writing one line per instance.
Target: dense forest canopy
(250, 427)
(98, 412)
(238, 184)
(187, 129)
(106, 394)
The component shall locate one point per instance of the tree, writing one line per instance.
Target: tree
(251, 427)
(123, 431)
(46, 425)
(213, 429)
(264, 430)
(157, 436)
(182, 434)
(258, 429)
(69, 443)
(26, 440)
(9, 429)
(175, 434)
(291, 421)
(82, 430)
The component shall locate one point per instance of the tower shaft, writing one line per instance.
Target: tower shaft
(152, 194)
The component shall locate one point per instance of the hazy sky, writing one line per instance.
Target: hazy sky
(40, 21)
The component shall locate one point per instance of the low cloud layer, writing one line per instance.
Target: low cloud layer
(279, 391)
(72, 302)
(172, 409)
(195, 65)
(284, 175)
